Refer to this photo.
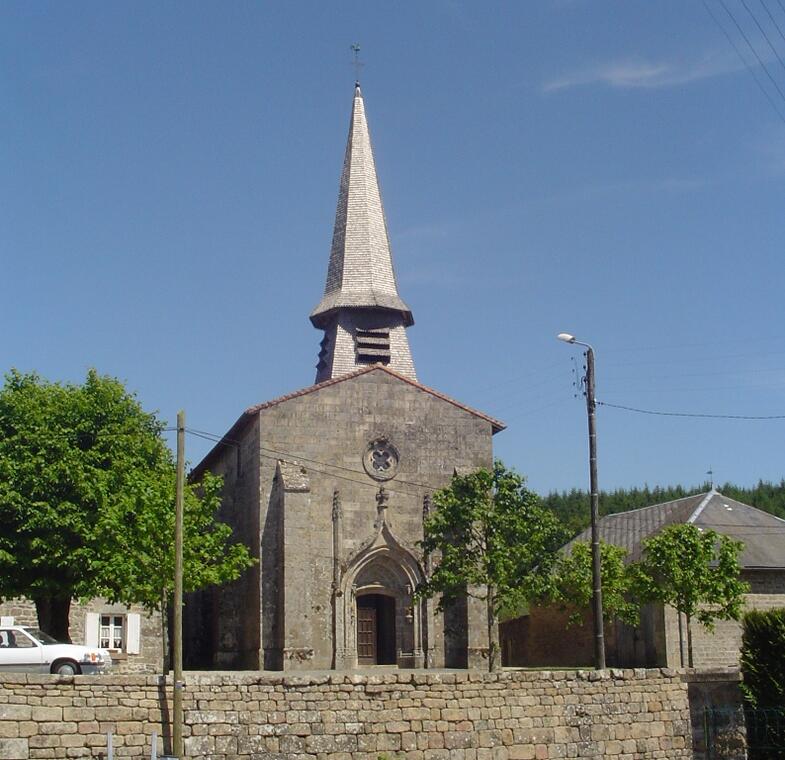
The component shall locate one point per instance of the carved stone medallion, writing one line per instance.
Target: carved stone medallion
(381, 459)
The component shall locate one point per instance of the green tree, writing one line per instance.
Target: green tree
(763, 682)
(694, 571)
(143, 518)
(573, 584)
(86, 498)
(489, 537)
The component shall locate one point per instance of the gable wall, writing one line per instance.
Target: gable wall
(332, 427)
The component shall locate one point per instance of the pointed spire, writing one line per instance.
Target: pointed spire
(361, 293)
(361, 271)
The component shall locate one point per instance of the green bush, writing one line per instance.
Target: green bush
(763, 671)
(763, 658)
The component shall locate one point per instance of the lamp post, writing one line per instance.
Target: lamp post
(599, 636)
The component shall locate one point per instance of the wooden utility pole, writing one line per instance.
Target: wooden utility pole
(177, 712)
(591, 405)
(591, 408)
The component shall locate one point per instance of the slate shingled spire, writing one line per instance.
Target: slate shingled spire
(363, 317)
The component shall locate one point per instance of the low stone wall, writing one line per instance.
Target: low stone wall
(416, 715)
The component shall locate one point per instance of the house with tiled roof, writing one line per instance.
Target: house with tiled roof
(544, 636)
(329, 485)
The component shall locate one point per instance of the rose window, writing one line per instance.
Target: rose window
(381, 459)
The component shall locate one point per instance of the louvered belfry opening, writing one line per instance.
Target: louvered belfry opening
(372, 345)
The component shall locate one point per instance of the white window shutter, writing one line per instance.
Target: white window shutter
(133, 633)
(91, 629)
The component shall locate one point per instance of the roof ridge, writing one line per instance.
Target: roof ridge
(704, 503)
(649, 506)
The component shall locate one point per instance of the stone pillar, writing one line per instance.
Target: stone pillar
(297, 576)
(428, 618)
(339, 650)
(477, 645)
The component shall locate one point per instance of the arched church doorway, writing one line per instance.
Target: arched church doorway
(376, 630)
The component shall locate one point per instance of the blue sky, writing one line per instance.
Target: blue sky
(169, 174)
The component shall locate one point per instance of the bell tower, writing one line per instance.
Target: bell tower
(363, 317)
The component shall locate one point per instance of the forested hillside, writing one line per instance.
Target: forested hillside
(572, 507)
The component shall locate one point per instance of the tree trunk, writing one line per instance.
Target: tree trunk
(689, 642)
(681, 638)
(165, 664)
(493, 632)
(53, 613)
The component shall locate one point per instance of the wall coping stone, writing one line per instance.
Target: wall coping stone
(413, 677)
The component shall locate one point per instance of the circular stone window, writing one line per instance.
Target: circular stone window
(381, 459)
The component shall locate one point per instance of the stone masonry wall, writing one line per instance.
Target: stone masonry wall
(415, 715)
(721, 647)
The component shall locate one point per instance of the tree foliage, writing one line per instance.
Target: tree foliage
(87, 501)
(573, 583)
(694, 571)
(763, 658)
(763, 684)
(489, 537)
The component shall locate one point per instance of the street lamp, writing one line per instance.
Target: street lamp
(599, 636)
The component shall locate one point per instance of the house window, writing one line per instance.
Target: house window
(111, 634)
(115, 631)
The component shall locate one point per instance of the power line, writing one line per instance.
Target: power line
(763, 32)
(754, 51)
(773, 20)
(693, 414)
(273, 454)
(749, 68)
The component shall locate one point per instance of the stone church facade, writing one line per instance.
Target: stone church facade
(329, 485)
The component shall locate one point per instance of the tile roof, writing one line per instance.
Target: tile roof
(762, 533)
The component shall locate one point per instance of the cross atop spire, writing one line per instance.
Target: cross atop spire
(357, 63)
(363, 316)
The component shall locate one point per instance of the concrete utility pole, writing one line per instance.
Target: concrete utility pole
(177, 712)
(591, 405)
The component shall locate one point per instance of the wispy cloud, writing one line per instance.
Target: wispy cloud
(637, 74)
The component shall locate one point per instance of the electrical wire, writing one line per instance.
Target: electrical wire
(754, 51)
(749, 68)
(763, 33)
(693, 414)
(773, 20)
(274, 454)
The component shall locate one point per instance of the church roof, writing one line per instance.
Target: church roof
(762, 534)
(360, 273)
(252, 411)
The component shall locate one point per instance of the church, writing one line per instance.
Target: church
(329, 485)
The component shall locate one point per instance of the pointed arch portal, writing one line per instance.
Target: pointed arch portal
(377, 620)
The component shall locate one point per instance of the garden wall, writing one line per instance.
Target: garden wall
(416, 715)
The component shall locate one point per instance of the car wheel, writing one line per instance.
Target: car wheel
(65, 668)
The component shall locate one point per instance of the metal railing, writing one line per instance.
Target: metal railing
(744, 733)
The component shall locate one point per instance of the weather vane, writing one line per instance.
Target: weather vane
(358, 64)
(710, 473)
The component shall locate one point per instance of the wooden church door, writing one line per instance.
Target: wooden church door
(366, 635)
